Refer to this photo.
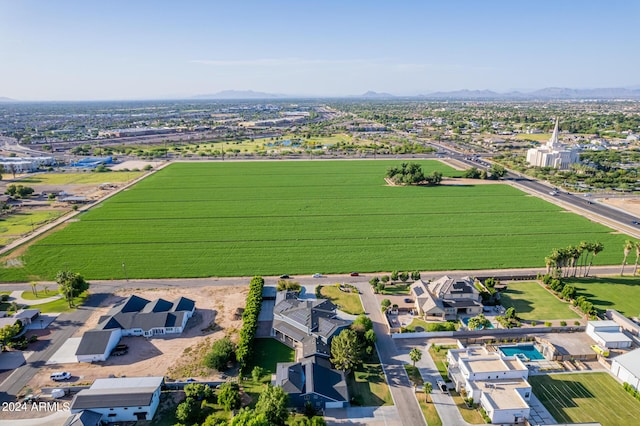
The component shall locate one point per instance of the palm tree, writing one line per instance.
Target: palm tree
(34, 288)
(584, 249)
(628, 245)
(416, 355)
(635, 267)
(428, 388)
(596, 248)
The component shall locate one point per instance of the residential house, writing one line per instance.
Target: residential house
(306, 324)
(495, 381)
(313, 381)
(447, 298)
(309, 326)
(126, 399)
(134, 316)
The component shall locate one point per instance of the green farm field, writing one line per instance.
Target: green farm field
(585, 398)
(78, 178)
(301, 217)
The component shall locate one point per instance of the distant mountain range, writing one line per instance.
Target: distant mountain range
(548, 93)
(3, 99)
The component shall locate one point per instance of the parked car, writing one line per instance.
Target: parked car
(354, 274)
(442, 386)
(57, 393)
(60, 375)
(31, 398)
(285, 277)
(317, 275)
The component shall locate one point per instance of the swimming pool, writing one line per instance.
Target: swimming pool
(465, 321)
(522, 351)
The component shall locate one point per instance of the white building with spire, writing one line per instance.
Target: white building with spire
(553, 154)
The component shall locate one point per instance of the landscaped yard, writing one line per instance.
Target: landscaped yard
(399, 288)
(586, 397)
(534, 302)
(268, 352)
(42, 294)
(439, 357)
(368, 385)
(431, 326)
(300, 217)
(619, 293)
(61, 305)
(347, 302)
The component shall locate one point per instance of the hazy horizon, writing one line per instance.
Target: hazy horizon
(153, 50)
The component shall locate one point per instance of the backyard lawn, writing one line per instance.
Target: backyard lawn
(534, 302)
(268, 352)
(368, 385)
(586, 397)
(347, 302)
(395, 289)
(619, 293)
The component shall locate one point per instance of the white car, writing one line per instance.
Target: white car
(317, 275)
(60, 375)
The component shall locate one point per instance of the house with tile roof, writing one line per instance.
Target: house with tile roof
(447, 298)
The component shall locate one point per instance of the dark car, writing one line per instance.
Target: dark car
(285, 277)
(354, 274)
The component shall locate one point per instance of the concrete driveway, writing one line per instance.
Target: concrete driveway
(67, 352)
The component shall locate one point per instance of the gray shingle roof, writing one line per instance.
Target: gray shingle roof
(112, 398)
(312, 375)
(84, 418)
(94, 342)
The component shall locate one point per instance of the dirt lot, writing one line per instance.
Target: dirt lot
(629, 205)
(176, 357)
(135, 164)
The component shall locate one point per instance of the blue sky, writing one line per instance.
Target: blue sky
(84, 50)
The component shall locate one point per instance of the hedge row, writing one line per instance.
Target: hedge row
(249, 323)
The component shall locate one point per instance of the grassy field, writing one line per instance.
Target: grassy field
(347, 302)
(368, 384)
(78, 178)
(534, 302)
(395, 289)
(269, 352)
(300, 217)
(17, 224)
(588, 397)
(619, 293)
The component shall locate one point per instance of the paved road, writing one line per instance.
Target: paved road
(64, 326)
(445, 406)
(399, 384)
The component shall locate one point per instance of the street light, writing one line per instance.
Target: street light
(124, 268)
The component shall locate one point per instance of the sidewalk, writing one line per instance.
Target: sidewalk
(16, 296)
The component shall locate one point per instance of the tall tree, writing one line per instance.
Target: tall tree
(272, 402)
(346, 351)
(229, 396)
(71, 284)
(428, 388)
(596, 248)
(635, 266)
(416, 355)
(628, 245)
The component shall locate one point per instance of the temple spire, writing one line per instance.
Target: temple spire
(553, 142)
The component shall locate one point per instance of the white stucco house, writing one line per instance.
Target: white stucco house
(607, 334)
(495, 381)
(134, 316)
(627, 368)
(126, 399)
